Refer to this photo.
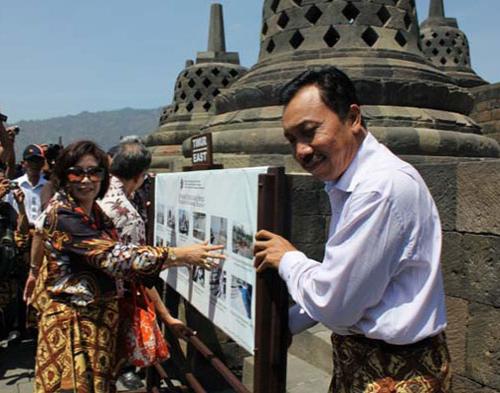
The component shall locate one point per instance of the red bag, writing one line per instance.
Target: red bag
(144, 342)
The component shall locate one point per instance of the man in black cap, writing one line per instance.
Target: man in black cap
(32, 181)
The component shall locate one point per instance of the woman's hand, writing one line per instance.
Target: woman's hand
(179, 328)
(201, 255)
(29, 287)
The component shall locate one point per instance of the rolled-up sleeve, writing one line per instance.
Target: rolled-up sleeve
(360, 258)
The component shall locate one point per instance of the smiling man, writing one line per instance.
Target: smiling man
(379, 287)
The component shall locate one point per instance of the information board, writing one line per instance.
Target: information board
(219, 206)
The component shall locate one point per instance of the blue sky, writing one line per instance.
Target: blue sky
(63, 57)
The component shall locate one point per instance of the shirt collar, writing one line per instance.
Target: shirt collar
(357, 168)
(24, 180)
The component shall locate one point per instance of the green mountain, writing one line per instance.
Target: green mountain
(105, 128)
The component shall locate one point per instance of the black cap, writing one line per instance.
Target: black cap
(33, 151)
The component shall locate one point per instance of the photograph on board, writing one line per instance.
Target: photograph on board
(218, 230)
(160, 214)
(199, 225)
(218, 283)
(242, 240)
(198, 275)
(171, 218)
(183, 222)
(241, 296)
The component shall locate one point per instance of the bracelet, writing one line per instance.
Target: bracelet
(172, 256)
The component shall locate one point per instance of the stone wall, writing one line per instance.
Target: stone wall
(487, 109)
(467, 194)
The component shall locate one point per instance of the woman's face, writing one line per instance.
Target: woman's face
(86, 189)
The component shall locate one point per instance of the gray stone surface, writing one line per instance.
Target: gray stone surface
(456, 332)
(302, 377)
(478, 193)
(487, 109)
(377, 44)
(483, 346)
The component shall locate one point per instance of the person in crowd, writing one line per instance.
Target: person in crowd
(85, 261)
(379, 287)
(50, 152)
(31, 182)
(13, 246)
(7, 152)
(128, 170)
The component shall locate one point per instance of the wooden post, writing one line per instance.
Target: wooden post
(271, 315)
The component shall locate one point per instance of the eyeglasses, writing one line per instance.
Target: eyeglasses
(76, 174)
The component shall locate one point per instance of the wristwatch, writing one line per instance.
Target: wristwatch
(3, 117)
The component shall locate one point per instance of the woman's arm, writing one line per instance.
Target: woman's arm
(70, 232)
(177, 327)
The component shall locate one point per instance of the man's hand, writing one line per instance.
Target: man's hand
(4, 187)
(18, 196)
(269, 249)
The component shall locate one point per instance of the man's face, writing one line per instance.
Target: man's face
(322, 143)
(34, 165)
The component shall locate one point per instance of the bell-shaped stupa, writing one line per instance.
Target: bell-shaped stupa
(408, 103)
(195, 90)
(447, 47)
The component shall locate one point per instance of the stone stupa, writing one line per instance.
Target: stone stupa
(195, 90)
(447, 47)
(409, 104)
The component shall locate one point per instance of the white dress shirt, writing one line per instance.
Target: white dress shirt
(380, 276)
(32, 197)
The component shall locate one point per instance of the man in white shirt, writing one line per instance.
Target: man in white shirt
(31, 182)
(379, 287)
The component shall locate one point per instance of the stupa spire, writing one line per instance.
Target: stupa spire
(195, 90)
(216, 51)
(216, 36)
(436, 9)
(447, 47)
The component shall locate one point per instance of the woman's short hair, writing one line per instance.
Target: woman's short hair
(71, 155)
(131, 159)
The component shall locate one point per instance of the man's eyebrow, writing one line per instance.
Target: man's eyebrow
(303, 124)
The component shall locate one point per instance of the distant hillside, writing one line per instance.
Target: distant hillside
(105, 128)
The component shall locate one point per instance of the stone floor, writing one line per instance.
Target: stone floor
(17, 364)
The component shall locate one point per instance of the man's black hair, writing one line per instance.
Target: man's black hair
(131, 159)
(336, 89)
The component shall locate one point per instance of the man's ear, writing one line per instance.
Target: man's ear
(354, 116)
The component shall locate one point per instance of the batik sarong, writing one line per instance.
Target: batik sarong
(76, 348)
(361, 365)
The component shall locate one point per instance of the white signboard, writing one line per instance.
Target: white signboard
(219, 206)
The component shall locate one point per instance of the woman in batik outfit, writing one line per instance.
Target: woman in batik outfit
(85, 263)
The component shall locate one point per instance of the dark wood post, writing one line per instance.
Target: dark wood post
(271, 314)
